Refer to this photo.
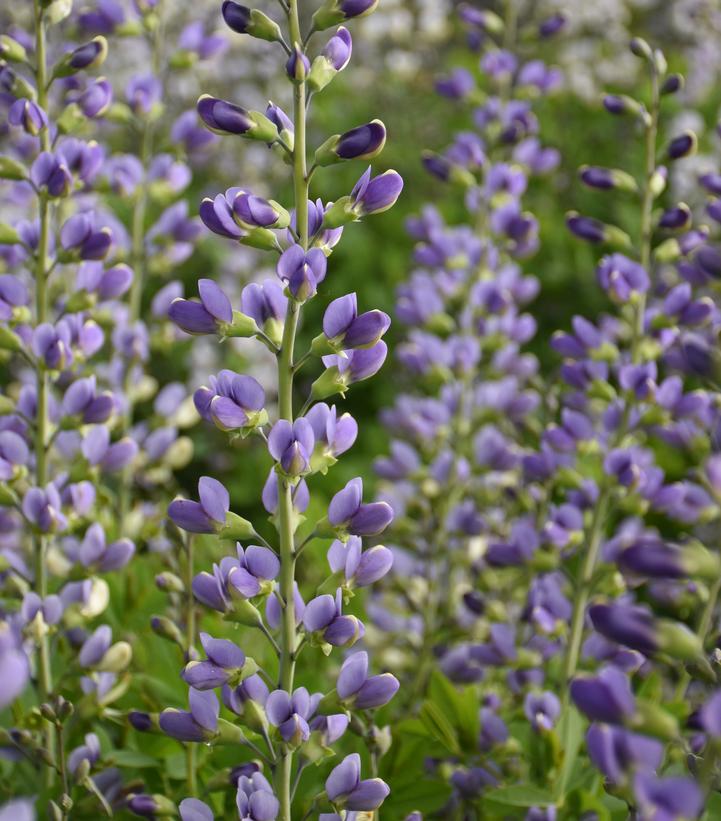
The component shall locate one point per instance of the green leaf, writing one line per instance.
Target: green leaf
(132, 758)
(570, 733)
(439, 727)
(520, 795)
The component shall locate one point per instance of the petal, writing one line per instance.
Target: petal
(368, 795)
(353, 675)
(319, 613)
(344, 778)
(205, 708)
(346, 502)
(262, 562)
(214, 498)
(278, 707)
(339, 315)
(190, 516)
(215, 300)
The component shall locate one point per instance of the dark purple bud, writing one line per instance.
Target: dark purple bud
(298, 65)
(682, 146)
(586, 228)
(223, 117)
(89, 55)
(676, 218)
(552, 25)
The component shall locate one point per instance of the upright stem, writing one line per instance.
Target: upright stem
(41, 415)
(190, 628)
(595, 538)
(288, 637)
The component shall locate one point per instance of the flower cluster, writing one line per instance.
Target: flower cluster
(279, 721)
(569, 554)
(74, 352)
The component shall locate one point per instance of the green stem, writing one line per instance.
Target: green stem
(599, 517)
(288, 636)
(41, 417)
(190, 632)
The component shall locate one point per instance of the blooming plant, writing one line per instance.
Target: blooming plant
(538, 636)
(275, 717)
(578, 628)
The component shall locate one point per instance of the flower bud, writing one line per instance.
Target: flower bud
(116, 659)
(338, 11)
(167, 629)
(640, 48)
(361, 143)
(169, 582)
(672, 84)
(607, 178)
(682, 146)
(222, 117)
(89, 55)
(298, 66)
(620, 104)
(250, 21)
(11, 49)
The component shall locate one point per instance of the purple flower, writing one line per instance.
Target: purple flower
(344, 329)
(256, 212)
(622, 278)
(222, 117)
(605, 697)
(206, 516)
(349, 367)
(80, 237)
(90, 752)
(266, 304)
(617, 752)
(456, 85)
(98, 450)
(255, 799)
(302, 271)
(232, 402)
(42, 508)
(359, 691)
(324, 615)
(291, 445)
(290, 714)
(345, 788)
(194, 38)
(199, 724)
(50, 172)
(334, 435)
(224, 664)
(14, 454)
(669, 799)
(14, 665)
(377, 194)
(542, 710)
(212, 315)
(348, 515)
(359, 568)
(96, 98)
(94, 551)
(143, 92)
(27, 115)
